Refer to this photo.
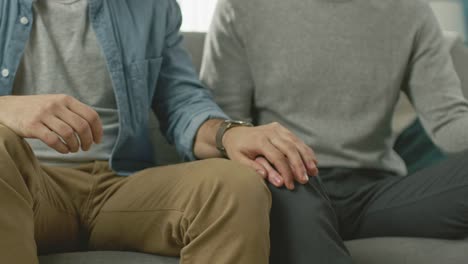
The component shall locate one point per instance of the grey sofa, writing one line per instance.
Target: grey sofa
(365, 251)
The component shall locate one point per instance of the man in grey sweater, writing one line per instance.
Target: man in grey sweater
(331, 71)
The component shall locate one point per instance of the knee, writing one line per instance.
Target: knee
(12, 149)
(237, 183)
(306, 203)
(8, 137)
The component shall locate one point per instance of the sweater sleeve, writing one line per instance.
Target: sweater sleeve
(435, 90)
(225, 68)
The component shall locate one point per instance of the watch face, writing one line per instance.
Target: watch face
(238, 122)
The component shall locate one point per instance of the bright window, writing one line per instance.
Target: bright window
(197, 14)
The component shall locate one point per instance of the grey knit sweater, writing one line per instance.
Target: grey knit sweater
(332, 71)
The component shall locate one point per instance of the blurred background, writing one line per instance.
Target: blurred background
(452, 14)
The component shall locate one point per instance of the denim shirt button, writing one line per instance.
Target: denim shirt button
(24, 20)
(5, 73)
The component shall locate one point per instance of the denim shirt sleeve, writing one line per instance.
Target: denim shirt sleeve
(181, 103)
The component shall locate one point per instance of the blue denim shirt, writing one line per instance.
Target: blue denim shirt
(148, 66)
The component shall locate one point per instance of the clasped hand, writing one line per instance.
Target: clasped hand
(274, 152)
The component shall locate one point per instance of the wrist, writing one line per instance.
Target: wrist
(231, 135)
(224, 130)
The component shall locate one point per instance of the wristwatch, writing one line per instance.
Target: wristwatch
(225, 126)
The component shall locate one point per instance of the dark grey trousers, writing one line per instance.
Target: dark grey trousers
(310, 224)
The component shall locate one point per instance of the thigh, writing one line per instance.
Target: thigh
(38, 203)
(304, 227)
(59, 208)
(162, 210)
(430, 203)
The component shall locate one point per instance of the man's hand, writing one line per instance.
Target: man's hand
(60, 121)
(292, 159)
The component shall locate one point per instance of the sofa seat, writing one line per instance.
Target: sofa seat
(364, 251)
(105, 257)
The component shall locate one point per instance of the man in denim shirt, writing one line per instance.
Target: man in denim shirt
(78, 80)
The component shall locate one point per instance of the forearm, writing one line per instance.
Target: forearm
(3, 99)
(205, 141)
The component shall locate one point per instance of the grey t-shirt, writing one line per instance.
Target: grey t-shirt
(63, 56)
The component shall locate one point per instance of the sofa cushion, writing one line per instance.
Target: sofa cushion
(106, 257)
(416, 148)
(408, 251)
(363, 251)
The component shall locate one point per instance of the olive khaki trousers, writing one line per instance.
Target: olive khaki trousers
(213, 211)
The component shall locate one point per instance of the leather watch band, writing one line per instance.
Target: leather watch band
(225, 126)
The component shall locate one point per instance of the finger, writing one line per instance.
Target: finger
(80, 126)
(91, 116)
(63, 130)
(252, 164)
(294, 158)
(308, 155)
(50, 139)
(272, 175)
(309, 159)
(280, 162)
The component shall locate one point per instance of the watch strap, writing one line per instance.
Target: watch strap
(225, 126)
